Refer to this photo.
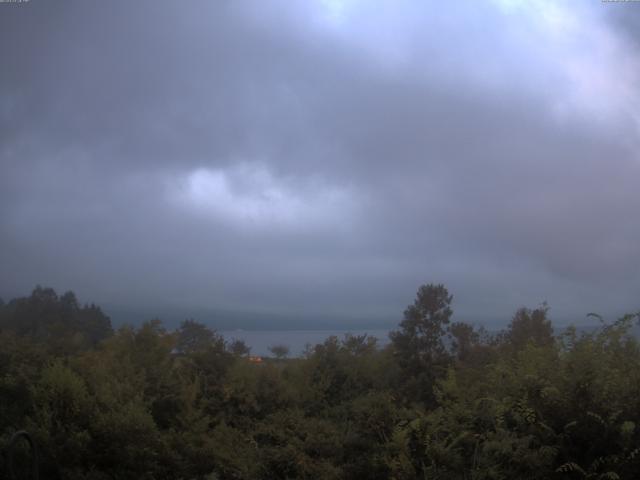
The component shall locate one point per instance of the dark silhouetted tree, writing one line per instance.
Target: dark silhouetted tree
(194, 336)
(279, 351)
(239, 347)
(418, 344)
(530, 326)
(59, 322)
(463, 339)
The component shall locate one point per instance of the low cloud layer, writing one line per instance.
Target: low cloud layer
(322, 158)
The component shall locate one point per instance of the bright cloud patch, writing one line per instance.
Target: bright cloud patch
(250, 195)
(599, 72)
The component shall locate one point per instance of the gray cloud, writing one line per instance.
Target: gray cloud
(321, 158)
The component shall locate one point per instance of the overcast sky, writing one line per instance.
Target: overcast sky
(322, 158)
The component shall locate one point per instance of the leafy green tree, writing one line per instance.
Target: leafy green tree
(279, 351)
(293, 445)
(419, 343)
(464, 338)
(132, 405)
(59, 322)
(530, 326)
(61, 418)
(239, 348)
(195, 337)
(94, 324)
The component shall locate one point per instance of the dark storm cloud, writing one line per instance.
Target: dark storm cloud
(320, 157)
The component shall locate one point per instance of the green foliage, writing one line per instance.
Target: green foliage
(58, 320)
(146, 403)
(239, 348)
(530, 326)
(419, 343)
(279, 351)
(196, 337)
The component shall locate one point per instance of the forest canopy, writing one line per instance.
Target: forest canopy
(443, 400)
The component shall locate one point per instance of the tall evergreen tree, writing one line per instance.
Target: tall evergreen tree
(418, 344)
